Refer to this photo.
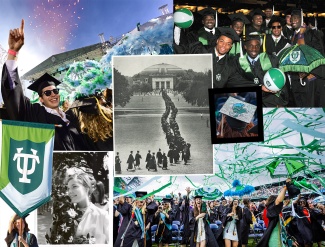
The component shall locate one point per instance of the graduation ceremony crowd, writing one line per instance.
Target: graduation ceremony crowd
(245, 51)
(283, 219)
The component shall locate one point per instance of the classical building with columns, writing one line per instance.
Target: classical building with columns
(159, 76)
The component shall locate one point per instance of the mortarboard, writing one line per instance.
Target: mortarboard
(42, 82)
(238, 17)
(256, 12)
(207, 11)
(197, 196)
(238, 113)
(229, 32)
(287, 11)
(276, 19)
(86, 105)
(268, 6)
(253, 36)
(167, 199)
(139, 194)
(296, 12)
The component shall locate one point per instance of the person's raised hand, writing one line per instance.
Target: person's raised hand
(16, 37)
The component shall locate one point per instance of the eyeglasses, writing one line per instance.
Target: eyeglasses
(49, 92)
(278, 27)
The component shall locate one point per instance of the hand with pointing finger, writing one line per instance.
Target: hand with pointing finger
(16, 37)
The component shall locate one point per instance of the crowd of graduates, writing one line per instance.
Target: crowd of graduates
(283, 219)
(245, 51)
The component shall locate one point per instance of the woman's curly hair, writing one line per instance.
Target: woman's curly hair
(96, 126)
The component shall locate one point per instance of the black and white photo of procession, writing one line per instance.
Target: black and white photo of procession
(161, 114)
(78, 210)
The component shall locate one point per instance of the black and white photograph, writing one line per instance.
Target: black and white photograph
(236, 115)
(78, 210)
(161, 114)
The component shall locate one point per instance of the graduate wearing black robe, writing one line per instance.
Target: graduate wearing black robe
(210, 239)
(151, 208)
(163, 234)
(273, 212)
(246, 221)
(255, 78)
(125, 210)
(20, 108)
(271, 47)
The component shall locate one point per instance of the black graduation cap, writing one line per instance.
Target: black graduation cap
(256, 12)
(253, 37)
(42, 82)
(287, 11)
(197, 196)
(275, 18)
(296, 11)
(86, 105)
(167, 200)
(207, 11)
(253, 130)
(268, 6)
(139, 194)
(229, 32)
(239, 16)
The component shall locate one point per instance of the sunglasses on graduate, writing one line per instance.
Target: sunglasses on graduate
(49, 92)
(278, 27)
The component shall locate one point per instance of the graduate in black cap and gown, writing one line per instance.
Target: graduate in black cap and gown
(223, 71)
(205, 36)
(256, 26)
(238, 22)
(94, 122)
(287, 29)
(19, 106)
(163, 218)
(124, 207)
(275, 41)
(152, 207)
(307, 90)
(201, 233)
(304, 223)
(135, 231)
(251, 69)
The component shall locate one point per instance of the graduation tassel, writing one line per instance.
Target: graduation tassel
(217, 17)
(302, 17)
(264, 39)
(241, 48)
(315, 23)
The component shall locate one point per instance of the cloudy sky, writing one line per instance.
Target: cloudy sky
(55, 26)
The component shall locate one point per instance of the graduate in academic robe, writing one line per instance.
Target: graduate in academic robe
(275, 41)
(256, 26)
(274, 204)
(130, 161)
(238, 23)
(184, 217)
(251, 69)
(135, 231)
(163, 218)
(152, 207)
(201, 234)
(94, 122)
(137, 158)
(304, 224)
(222, 69)
(124, 207)
(287, 29)
(310, 92)
(188, 42)
(20, 108)
(246, 221)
